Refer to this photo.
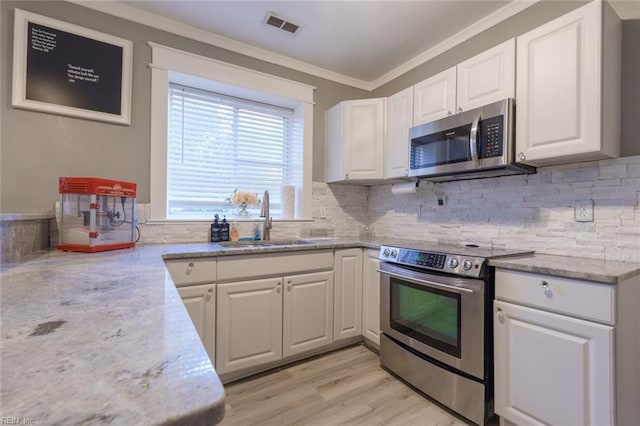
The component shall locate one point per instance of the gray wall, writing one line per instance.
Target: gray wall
(630, 88)
(37, 148)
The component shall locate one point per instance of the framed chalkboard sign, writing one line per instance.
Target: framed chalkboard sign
(70, 70)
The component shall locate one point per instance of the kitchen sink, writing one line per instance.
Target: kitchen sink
(262, 243)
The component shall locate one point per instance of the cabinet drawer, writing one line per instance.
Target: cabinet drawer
(273, 264)
(192, 271)
(563, 295)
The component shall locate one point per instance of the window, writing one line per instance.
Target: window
(219, 143)
(217, 127)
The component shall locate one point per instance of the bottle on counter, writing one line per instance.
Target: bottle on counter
(234, 234)
(256, 231)
(216, 230)
(224, 229)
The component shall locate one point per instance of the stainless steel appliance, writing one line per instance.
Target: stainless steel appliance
(468, 145)
(435, 317)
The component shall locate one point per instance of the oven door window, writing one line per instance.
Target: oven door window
(448, 147)
(429, 315)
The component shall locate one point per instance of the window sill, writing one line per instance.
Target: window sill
(208, 221)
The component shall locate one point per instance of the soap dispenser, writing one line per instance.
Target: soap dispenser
(216, 230)
(224, 229)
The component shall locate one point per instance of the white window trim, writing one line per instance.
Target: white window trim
(169, 64)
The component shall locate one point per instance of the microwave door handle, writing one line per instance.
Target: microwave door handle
(473, 140)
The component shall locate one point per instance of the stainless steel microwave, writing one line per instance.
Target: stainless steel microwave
(471, 144)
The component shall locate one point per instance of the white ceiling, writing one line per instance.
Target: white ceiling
(362, 43)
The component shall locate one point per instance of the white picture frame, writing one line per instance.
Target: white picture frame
(55, 72)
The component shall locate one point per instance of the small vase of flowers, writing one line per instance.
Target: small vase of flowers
(243, 199)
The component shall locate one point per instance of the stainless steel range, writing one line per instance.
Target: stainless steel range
(435, 316)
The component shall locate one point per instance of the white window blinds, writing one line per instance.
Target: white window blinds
(218, 143)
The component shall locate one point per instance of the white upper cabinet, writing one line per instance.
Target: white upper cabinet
(487, 77)
(355, 140)
(568, 88)
(435, 97)
(399, 121)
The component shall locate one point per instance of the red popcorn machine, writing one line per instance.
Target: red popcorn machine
(96, 214)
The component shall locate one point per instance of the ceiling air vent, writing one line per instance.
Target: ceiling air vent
(281, 22)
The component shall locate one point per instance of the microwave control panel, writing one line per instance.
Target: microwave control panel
(491, 131)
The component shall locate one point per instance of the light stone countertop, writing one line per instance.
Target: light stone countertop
(91, 338)
(604, 271)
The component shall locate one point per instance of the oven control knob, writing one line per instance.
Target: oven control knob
(385, 253)
(453, 263)
(394, 253)
(466, 264)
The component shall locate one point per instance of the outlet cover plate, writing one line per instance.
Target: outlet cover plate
(583, 210)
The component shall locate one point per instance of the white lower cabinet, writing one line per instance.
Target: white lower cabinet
(264, 320)
(200, 302)
(371, 297)
(347, 312)
(249, 326)
(552, 369)
(308, 312)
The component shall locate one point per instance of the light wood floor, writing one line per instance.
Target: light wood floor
(344, 387)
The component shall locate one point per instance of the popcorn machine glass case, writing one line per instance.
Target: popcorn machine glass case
(96, 214)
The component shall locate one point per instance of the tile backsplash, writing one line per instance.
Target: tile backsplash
(338, 211)
(533, 212)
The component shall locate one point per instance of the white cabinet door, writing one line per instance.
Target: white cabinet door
(308, 312)
(487, 77)
(551, 369)
(559, 90)
(249, 324)
(371, 297)
(355, 140)
(435, 97)
(347, 314)
(399, 121)
(200, 302)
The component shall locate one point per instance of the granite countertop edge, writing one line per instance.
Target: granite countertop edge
(607, 272)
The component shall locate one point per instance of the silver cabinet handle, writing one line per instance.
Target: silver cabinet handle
(449, 113)
(547, 290)
(279, 287)
(522, 157)
(288, 285)
(459, 109)
(346, 176)
(500, 315)
(209, 294)
(190, 267)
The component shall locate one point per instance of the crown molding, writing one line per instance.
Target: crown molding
(489, 21)
(169, 25)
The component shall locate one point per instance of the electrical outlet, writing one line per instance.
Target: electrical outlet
(583, 210)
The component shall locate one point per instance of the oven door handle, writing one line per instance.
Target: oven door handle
(428, 283)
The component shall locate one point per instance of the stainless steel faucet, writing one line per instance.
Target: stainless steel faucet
(266, 234)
